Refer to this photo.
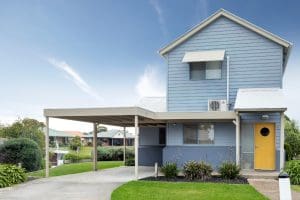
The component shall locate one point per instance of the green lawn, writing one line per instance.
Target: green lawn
(296, 188)
(84, 150)
(76, 168)
(166, 190)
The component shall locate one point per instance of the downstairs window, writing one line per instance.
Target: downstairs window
(198, 134)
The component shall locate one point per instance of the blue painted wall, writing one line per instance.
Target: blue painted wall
(254, 62)
(224, 134)
(213, 155)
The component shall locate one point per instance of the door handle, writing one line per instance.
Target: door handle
(256, 147)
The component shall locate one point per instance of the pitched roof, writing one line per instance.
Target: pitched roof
(114, 133)
(224, 13)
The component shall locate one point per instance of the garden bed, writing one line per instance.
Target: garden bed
(212, 179)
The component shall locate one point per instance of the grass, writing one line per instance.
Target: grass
(84, 150)
(296, 188)
(167, 190)
(76, 168)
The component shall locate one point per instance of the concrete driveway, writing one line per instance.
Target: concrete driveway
(84, 186)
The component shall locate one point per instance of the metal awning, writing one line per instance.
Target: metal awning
(203, 56)
(260, 99)
(124, 116)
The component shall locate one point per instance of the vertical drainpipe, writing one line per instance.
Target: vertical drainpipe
(227, 92)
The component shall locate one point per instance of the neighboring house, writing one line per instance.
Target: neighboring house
(224, 99)
(110, 138)
(62, 138)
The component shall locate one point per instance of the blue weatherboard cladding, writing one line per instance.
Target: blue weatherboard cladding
(254, 62)
(222, 150)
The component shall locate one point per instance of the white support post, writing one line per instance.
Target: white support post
(124, 144)
(47, 148)
(95, 147)
(136, 147)
(237, 139)
(281, 141)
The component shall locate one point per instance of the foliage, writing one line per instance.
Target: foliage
(75, 168)
(26, 128)
(229, 170)
(197, 170)
(293, 169)
(292, 139)
(101, 128)
(157, 190)
(130, 162)
(21, 150)
(169, 170)
(11, 174)
(114, 153)
(73, 157)
(75, 143)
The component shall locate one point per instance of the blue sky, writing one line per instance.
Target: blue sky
(103, 53)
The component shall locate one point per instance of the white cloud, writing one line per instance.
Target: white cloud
(151, 83)
(75, 77)
(161, 20)
(291, 87)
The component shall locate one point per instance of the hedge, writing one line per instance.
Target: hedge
(21, 150)
(114, 153)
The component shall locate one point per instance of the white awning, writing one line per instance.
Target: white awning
(203, 56)
(260, 99)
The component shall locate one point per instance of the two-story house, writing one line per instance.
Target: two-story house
(224, 99)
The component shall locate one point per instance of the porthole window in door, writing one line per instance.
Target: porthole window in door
(264, 131)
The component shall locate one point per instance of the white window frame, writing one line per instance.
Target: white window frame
(206, 74)
(197, 127)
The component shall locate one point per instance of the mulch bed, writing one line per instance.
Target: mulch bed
(212, 179)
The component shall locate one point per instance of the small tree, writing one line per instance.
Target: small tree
(292, 138)
(101, 128)
(75, 143)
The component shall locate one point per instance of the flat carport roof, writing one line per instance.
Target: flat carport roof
(124, 116)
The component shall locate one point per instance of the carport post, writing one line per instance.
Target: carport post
(124, 144)
(136, 147)
(47, 148)
(95, 147)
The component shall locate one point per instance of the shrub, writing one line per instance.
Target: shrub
(129, 162)
(75, 143)
(113, 153)
(72, 157)
(21, 150)
(169, 170)
(11, 174)
(197, 170)
(229, 170)
(293, 169)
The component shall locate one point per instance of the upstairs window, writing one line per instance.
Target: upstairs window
(205, 70)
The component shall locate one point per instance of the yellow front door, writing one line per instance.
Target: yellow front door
(264, 153)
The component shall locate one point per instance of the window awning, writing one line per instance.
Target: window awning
(204, 56)
(259, 99)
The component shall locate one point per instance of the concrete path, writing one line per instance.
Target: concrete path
(270, 188)
(84, 186)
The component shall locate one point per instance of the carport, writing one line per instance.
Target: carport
(115, 116)
(126, 117)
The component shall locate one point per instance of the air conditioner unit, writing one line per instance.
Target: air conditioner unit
(217, 105)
